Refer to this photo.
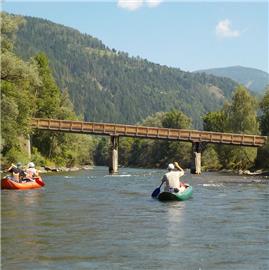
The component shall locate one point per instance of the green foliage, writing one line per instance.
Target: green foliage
(63, 149)
(109, 86)
(242, 118)
(215, 121)
(239, 116)
(125, 147)
(254, 79)
(241, 113)
(14, 154)
(102, 151)
(262, 161)
(158, 153)
(37, 158)
(76, 72)
(176, 119)
(263, 153)
(18, 78)
(264, 119)
(47, 94)
(241, 158)
(210, 159)
(28, 89)
(150, 153)
(179, 151)
(9, 26)
(154, 120)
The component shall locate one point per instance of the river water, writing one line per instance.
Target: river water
(91, 220)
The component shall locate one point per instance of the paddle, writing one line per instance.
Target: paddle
(39, 181)
(157, 191)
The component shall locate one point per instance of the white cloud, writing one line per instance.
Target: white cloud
(224, 29)
(130, 4)
(153, 3)
(133, 5)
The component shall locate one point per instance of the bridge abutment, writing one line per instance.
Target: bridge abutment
(196, 158)
(114, 156)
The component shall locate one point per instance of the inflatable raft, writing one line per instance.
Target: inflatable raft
(8, 183)
(179, 196)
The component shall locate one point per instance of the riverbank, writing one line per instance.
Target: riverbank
(258, 173)
(47, 169)
(90, 167)
(241, 172)
(249, 176)
(236, 177)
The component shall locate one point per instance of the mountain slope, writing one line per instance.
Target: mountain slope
(254, 79)
(109, 86)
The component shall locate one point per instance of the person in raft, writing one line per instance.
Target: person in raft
(31, 172)
(17, 173)
(172, 178)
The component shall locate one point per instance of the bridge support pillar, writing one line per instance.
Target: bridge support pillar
(113, 159)
(196, 163)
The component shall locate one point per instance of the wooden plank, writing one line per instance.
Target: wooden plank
(148, 132)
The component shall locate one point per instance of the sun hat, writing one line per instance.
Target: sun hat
(170, 166)
(31, 165)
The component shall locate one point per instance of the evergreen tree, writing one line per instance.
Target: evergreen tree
(61, 148)
(109, 86)
(48, 95)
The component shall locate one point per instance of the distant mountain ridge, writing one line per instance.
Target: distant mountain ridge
(254, 79)
(109, 86)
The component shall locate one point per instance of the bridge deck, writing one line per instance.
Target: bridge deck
(147, 132)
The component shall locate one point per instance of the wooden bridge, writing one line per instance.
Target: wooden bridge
(116, 130)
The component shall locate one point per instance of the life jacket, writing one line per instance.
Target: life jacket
(31, 172)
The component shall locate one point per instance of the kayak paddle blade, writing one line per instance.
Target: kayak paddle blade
(156, 192)
(40, 182)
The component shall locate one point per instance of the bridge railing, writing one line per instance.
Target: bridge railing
(110, 129)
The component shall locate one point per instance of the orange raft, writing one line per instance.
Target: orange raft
(7, 183)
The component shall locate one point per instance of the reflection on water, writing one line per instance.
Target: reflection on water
(91, 220)
(174, 218)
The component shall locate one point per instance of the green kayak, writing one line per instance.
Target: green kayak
(179, 196)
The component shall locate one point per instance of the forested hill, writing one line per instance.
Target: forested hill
(109, 86)
(254, 79)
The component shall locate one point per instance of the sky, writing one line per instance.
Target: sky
(190, 35)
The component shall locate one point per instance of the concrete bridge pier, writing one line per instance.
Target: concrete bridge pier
(196, 163)
(113, 158)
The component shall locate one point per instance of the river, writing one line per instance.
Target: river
(92, 220)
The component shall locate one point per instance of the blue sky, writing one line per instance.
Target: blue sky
(187, 35)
